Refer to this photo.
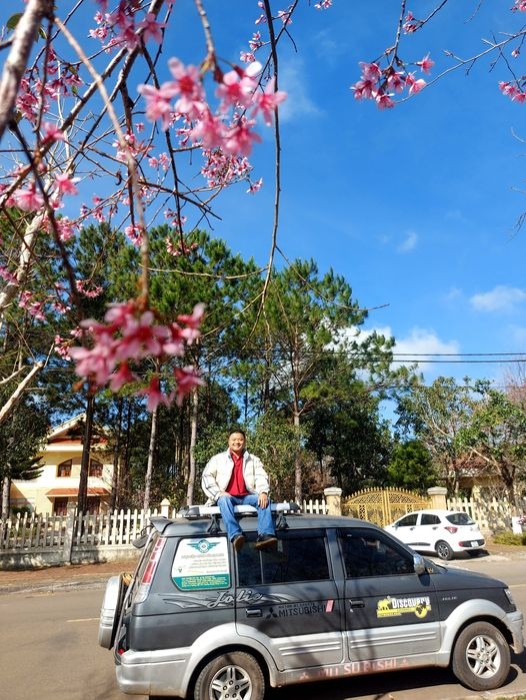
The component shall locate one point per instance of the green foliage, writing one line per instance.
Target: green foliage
(275, 442)
(351, 443)
(411, 467)
(507, 537)
(21, 435)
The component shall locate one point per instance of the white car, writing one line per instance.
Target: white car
(445, 532)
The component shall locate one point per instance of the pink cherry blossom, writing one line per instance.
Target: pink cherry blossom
(240, 138)
(121, 377)
(158, 102)
(384, 101)
(209, 130)
(370, 71)
(28, 199)
(414, 85)
(396, 81)
(66, 184)
(152, 28)
(7, 276)
(155, 395)
(255, 186)
(52, 132)
(426, 64)
(235, 90)
(187, 83)
(187, 379)
(267, 101)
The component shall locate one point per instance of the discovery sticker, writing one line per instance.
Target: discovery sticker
(393, 606)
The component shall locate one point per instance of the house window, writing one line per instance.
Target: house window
(95, 468)
(64, 468)
(93, 505)
(60, 506)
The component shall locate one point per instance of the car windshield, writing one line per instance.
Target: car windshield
(460, 519)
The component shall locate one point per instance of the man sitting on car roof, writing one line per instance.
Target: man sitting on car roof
(236, 477)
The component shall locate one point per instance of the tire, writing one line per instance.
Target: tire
(235, 675)
(481, 657)
(443, 550)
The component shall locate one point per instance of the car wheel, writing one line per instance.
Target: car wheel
(233, 675)
(481, 657)
(444, 550)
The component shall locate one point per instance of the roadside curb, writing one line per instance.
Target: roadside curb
(52, 586)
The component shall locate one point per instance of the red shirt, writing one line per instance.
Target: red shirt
(236, 485)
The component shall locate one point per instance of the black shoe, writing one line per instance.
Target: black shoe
(238, 542)
(266, 541)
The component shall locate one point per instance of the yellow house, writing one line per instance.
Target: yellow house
(57, 487)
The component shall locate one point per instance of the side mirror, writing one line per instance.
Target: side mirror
(419, 564)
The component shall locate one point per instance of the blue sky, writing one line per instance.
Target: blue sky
(415, 206)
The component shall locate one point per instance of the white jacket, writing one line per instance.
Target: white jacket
(218, 472)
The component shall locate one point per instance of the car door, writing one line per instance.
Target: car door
(287, 599)
(390, 611)
(404, 529)
(427, 531)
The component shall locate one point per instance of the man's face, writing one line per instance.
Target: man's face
(236, 443)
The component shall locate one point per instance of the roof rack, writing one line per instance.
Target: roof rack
(280, 509)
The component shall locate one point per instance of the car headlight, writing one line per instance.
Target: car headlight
(509, 597)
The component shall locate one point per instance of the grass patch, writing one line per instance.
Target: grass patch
(507, 537)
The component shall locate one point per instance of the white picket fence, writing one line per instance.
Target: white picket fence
(317, 507)
(490, 514)
(34, 531)
(120, 528)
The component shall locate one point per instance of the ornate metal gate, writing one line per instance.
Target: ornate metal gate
(382, 506)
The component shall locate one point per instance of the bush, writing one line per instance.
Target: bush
(507, 537)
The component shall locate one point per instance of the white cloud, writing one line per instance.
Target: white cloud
(420, 341)
(423, 341)
(500, 298)
(293, 80)
(409, 243)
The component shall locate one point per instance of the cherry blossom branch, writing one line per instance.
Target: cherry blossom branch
(131, 163)
(10, 404)
(277, 170)
(16, 62)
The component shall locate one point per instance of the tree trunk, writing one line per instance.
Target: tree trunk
(193, 440)
(297, 461)
(6, 486)
(116, 460)
(151, 455)
(124, 474)
(82, 502)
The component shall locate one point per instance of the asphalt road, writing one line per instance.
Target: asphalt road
(49, 651)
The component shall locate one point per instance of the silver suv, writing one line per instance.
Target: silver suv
(336, 598)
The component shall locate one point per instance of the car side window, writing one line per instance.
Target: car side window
(299, 556)
(429, 519)
(408, 521)
(369, 554)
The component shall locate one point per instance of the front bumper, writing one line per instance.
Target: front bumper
(515, 621)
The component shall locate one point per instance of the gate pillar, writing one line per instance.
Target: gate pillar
(333, 496)
(437, 494)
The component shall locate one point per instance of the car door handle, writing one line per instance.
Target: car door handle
(356, 603)
(254, 612)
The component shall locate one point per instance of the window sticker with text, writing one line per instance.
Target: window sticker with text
(201, 564)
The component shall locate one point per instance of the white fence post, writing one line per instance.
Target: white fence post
(68, 537)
